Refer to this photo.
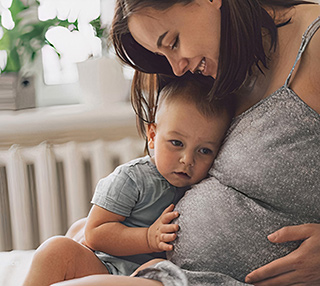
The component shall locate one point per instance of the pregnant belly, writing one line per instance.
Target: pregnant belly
(222, 230)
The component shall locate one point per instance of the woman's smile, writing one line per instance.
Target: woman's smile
(201, 68)
(180, 36)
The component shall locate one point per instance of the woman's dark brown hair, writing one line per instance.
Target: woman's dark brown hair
(241, 47)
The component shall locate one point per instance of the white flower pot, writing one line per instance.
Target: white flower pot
(102, 81)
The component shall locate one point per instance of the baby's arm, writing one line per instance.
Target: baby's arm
(105, 232)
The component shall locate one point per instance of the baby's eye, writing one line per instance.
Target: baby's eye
(205, 151)
(176, 143)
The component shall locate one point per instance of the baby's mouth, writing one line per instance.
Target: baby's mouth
(182, 174)
(201, 67)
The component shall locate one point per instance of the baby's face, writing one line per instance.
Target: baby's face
(185, 142)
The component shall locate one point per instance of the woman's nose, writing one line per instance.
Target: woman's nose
(187, 159)
(179, 65)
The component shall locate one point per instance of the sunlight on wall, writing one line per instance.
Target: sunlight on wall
(7, 22)
(55, 70)
(83, 10)
(73, 46)
(6, 18)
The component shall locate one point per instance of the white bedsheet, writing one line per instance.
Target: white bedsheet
(14, 266)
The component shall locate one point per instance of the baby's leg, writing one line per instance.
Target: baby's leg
(76, 230)
(62, 258)
(110, 280)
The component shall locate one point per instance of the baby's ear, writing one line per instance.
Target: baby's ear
(152, 127)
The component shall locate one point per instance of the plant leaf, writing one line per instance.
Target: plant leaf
(13, 64)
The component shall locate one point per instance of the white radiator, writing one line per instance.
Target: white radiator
(45, 188)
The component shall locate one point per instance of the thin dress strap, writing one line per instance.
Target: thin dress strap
(305, 40)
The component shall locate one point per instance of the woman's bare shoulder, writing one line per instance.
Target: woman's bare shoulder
(313, 49)
(306, 80)
(313, 59)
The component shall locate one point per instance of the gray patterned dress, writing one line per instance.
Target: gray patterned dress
(267, 175)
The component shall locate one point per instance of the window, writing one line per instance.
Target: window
(58, 81)
(73, 46)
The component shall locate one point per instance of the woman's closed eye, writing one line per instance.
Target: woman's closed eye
(172, 46)
(175, 43)
(176, 143)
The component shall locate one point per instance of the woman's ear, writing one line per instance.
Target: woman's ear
(151, 134)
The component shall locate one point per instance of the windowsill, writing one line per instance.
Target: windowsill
(59, 124)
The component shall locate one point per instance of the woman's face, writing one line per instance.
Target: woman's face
(187, 35)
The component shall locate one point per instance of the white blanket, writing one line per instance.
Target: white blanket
(14, 266)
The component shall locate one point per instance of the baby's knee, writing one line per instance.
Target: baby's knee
(56, 247)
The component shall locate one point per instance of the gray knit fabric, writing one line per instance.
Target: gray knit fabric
(267, 175)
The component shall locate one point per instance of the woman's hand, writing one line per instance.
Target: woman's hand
(161, 232)
(300, 267)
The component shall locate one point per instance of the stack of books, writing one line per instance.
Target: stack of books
(16, 92)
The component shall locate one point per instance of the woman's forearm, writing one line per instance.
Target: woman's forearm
(109, 280)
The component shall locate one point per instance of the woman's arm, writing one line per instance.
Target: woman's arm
(301, 267)
(105, 232)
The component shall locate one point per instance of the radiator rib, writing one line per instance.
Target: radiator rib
(45, 188)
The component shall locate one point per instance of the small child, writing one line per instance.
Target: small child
(130, 216)
(129, 223)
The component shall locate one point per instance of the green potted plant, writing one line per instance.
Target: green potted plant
(22, 44)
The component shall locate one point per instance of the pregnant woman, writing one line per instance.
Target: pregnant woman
(264, 56)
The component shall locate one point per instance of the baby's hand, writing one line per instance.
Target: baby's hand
(161, 232)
